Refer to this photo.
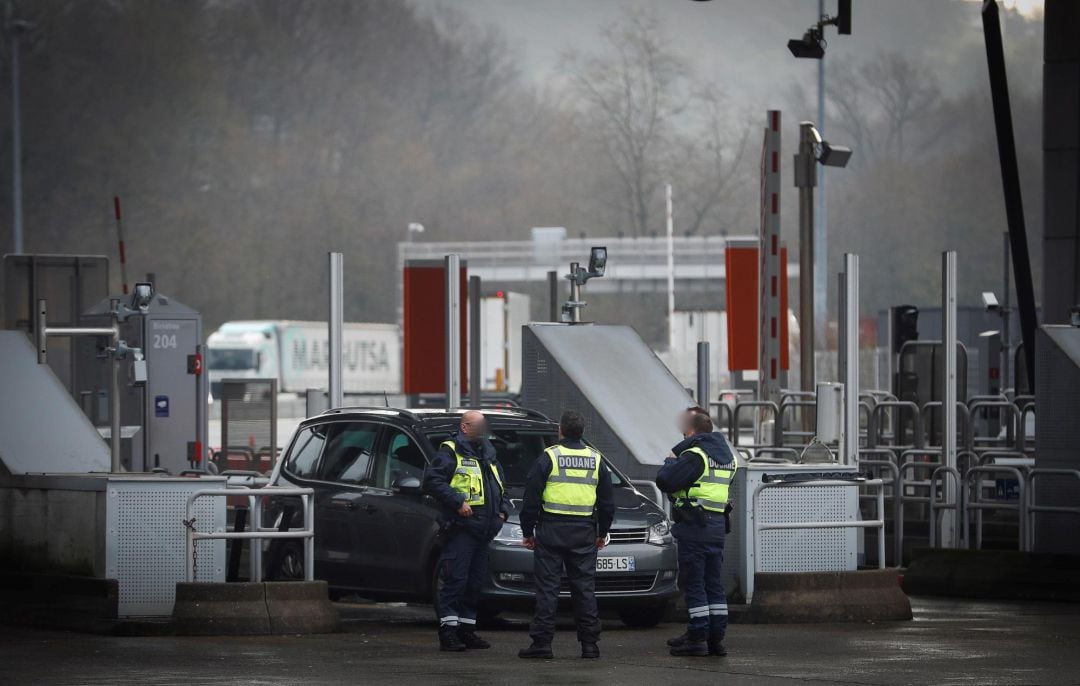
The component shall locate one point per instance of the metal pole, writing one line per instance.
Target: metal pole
(948, 393)
(849, 355)
(670, 269)
(821, 234)
(336, 322)
(575, 294)
(805, 172)
(200, 408)
(553, 296)
(703, 374)
(1010, 180)
(114, 403)
(474, 342)
(453, 331)
(16, 145)
(1006, 316)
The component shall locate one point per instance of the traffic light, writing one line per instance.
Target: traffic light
(905, 325)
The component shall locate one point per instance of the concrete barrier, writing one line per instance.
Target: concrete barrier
(860, 596)
(78, 603)
(300, 608)
(993, 574)
(211, 609)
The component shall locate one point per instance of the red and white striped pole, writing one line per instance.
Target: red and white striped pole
(769, 274)
(120, 239)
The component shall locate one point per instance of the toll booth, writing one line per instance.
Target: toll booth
(170, 407)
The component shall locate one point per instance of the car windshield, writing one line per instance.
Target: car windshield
(232, 359)
(516, 450)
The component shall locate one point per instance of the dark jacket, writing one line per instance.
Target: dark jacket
(682, 471)
(485, 521)
(532, 505)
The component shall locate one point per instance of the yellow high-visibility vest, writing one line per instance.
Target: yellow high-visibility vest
(469, 477)
(571, 486)
(711, 490)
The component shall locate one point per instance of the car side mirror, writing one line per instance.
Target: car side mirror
(407, 484)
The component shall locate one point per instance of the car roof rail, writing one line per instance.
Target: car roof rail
(378, 409)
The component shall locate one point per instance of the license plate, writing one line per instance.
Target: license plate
(622, 563)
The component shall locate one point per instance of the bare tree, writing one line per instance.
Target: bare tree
(652, 121)
(878, 102)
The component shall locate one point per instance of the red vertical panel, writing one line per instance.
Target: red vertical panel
(424, 329)
(742, 305)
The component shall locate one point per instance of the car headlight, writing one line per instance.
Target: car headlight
(660, 533)
(509, 534)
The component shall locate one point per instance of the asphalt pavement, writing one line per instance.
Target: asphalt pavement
(949, 642)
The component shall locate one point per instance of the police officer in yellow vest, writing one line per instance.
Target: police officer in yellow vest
(467, 479)
(697, 476)
(565, 516)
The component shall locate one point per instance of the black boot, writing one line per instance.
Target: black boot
(590, 650)
(694, 646)
(537, 650)
(677, 641)
(467, 635)
(716, 645)
(449, 641)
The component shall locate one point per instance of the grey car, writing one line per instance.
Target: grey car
(377, 533)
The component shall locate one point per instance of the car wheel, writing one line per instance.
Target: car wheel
(643, 617)
(288, 562)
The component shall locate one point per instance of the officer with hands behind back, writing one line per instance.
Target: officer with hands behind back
(565, 517)
(466, 479)
(697, 476)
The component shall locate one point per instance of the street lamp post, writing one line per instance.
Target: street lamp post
(812, 150)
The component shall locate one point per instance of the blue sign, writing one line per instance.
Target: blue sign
(161, 406)
(1006, 489)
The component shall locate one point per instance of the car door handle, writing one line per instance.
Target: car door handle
(351, 506)
(370, 509)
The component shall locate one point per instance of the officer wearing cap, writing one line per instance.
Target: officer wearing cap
(566, 514)
(467, 480)
(698, 475)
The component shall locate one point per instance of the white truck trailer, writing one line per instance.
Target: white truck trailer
(297, 355)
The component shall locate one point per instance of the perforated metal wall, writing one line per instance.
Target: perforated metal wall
(796, 550)
(145, 540)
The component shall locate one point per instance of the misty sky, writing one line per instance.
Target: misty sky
(741, 44)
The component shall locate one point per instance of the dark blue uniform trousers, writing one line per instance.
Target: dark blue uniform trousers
(463, 567)
(569, 545)
(699, 576)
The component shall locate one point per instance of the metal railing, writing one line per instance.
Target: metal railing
(806, 416)
(1007, 412)
(878, 523)
(936, 505)
(875, 429)
(897, 495)
(258, 533)
(761, 404)
(722, 410)
(972, 500)
(1032, 508)
(963, 416)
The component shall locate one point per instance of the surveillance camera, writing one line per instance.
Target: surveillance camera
(597, 261)
(141, 295)
(834, 155)
(989, 301)
(810, 46)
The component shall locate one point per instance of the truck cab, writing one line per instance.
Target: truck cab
(241, 350)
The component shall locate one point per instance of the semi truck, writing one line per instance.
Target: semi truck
(297, 355)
